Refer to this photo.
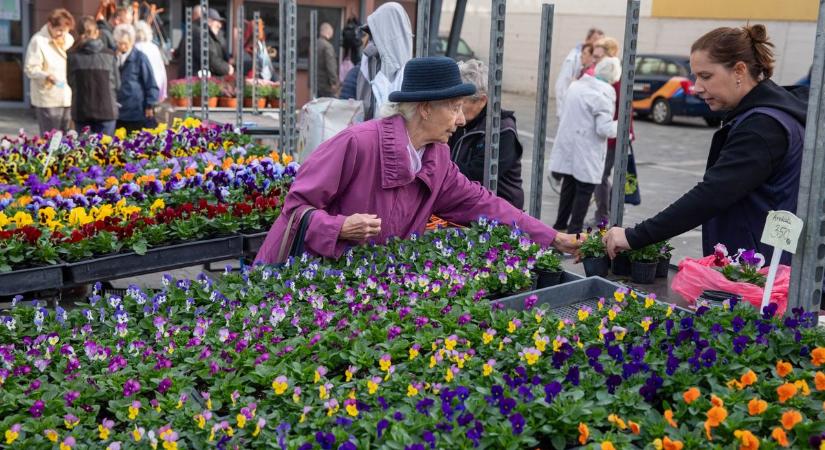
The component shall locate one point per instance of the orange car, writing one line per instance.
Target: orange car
(663, 88)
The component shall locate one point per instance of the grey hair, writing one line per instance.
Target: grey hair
(124, 30)
(475, 72)
(406, 110)
(143, 32)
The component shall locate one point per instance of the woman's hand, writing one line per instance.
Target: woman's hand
(567, 243)
(616, 241)
(359, 227)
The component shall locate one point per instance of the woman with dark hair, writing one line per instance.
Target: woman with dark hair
(94, 78)
(45, 65)
(755, 158)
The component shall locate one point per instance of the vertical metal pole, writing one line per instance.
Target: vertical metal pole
(313, 54)
(809, 261)
(435, 22)
(455, 28)
(204, 73)
(496, 65)
(631, 32)
(188, 41)
(282, 131)
(239, 75)
(542, 98)
(422, 29)
(256, 17)
(291, 62)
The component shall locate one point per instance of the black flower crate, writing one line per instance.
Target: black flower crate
(33, 279)
(252, 242)
(155, 260)
(565, 299)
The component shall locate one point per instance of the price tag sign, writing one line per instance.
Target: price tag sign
(53, 145)
(782, 230)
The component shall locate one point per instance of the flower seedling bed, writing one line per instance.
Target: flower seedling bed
(156, 259)
(35, 278)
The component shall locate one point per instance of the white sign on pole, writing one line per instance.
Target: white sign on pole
(782, 231)
(53, 144)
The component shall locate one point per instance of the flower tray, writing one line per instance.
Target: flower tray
(252, 242)
(156, 259)
(33, 279)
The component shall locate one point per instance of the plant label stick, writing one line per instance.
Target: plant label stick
(782, 230)
(55, 142)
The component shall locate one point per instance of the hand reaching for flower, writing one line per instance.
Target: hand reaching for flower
(615, 241)
(567, 243)
(359, 227)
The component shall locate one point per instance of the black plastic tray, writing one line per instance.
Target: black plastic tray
(155, 260)
(33, 279)
(565, 299)
(252, 242)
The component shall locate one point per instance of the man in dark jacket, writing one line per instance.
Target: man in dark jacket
(327, 75)
(467, 143)
(753, 167)
(219, 64)
(94, 78)
(138, 93)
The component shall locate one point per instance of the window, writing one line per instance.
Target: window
(650, 66)
(674, 69)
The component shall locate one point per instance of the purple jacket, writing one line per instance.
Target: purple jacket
(366, 169)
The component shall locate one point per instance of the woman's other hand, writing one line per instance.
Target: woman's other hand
(359, 227)
(567, 243)
(616, 241)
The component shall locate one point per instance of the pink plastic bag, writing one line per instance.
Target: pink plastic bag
(697, 275)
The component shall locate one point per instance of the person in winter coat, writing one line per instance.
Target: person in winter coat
(327, 74)
(219, 65)
(45, 65)
(571, 68)
(386, 177)
(145, 43)
(138, 93)
(467, 143)
(755, 158)
(383, 59)
(607, 47)
(95, 79)
(581, 141)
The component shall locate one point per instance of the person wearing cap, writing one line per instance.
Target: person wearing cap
(387, 176)
(218, 58)
(581, 141)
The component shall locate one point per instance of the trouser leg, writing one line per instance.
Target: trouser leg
(581, 201)
(603, 190)
(568, 192)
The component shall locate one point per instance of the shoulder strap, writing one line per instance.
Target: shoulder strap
(289, 235)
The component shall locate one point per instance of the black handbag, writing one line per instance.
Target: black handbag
(631, 184)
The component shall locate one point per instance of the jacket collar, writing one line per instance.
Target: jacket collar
(396, 170)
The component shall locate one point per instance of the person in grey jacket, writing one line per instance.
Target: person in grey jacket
(327, 75)
(94, 78)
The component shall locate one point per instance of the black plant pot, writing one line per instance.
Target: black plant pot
(663, 268)
(643, 272)
(621, 265)
(547, 278)
(718, 298)
(596, 267)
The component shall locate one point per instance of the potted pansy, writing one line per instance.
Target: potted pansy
(644, 262)
(275, 94)
(548, 268)
(228, 97)
(213, 90)
(262, 91)
(594, 255)
(665, 254)
(180, 92)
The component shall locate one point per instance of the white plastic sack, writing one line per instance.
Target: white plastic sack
(322, 119)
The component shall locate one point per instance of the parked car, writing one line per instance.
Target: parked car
(663, 88)
(463, 52)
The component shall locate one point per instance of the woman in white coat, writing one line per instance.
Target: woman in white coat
(581, 141)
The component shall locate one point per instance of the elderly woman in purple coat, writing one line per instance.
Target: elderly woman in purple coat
(386, 177)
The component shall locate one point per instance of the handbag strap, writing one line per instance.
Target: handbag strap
(288, 232)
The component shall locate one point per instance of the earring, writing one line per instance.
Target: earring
(738, 83)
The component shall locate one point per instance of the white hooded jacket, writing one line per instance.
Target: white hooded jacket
(392, 34)
(586, 124)
(44, 58)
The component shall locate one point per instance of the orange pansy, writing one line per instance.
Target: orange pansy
(819, 381)
(748, 440)
(716, 401)
(634, 427)
(790, 418)
(757, 406)
(584, 433)
(786, 392)
(778, 434)
(667, 444)
(783, 369)
(691, 395)
(669, 418)
(818, 356)
(748, 378)
(717, 415)
(607, 445)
